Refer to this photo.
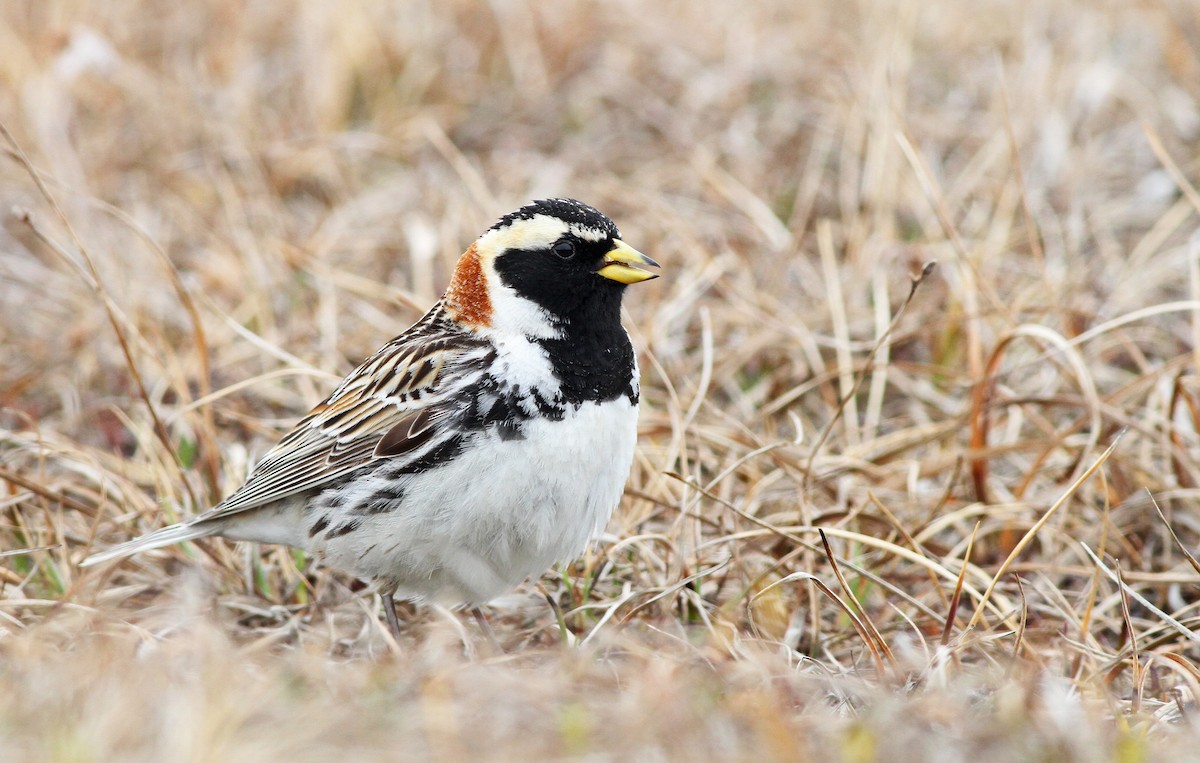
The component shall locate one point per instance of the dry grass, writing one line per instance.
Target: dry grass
(249, 197)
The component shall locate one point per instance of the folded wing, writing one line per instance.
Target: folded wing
(387, 408)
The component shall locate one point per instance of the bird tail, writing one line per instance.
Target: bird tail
(164, 537)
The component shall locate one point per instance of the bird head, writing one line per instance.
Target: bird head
(552, 261)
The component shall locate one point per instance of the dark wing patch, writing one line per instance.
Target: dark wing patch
(410, 433)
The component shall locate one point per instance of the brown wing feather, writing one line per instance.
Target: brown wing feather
(410, 433)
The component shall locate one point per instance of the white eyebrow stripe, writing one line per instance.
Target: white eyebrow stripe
(588, 234)
(539, 232)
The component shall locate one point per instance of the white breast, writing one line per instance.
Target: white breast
(500, 511)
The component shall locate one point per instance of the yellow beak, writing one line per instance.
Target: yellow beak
(621, 264)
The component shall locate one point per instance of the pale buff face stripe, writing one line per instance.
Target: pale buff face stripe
(538, 232)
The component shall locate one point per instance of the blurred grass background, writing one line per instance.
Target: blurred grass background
(210, 211)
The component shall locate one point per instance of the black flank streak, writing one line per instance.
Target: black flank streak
(441, 454)
(552, 409)
(342, 529)
(500, 411)
(382, 501)
(510, 430)
(318, 526)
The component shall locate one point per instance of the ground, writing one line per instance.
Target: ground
(880, 510)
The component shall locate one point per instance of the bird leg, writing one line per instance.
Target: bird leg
(561, 620)
(389, 609)
(486, 627)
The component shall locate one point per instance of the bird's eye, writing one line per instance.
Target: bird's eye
(564, 249)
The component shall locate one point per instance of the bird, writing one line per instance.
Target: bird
(490, 440)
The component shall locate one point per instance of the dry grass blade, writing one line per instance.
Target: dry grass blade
(1187, 667)
(1135, 661)
(1179, 627)
(23, 551)
(198, 336)
(952, 610)
(1174, 536)
(915, 283)
(1019, 639)
(864, 618)
(791, 533)
(1033, 531)
(93, 278)
(48, 494)
(852, 612)
(1177, 176)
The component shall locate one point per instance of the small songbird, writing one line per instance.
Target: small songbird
(490, 440)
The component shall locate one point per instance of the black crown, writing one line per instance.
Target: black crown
(567, 210)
